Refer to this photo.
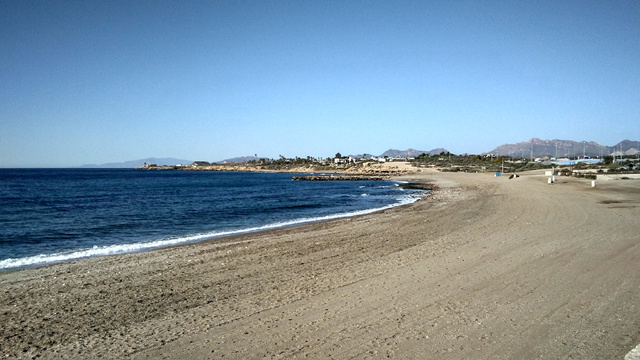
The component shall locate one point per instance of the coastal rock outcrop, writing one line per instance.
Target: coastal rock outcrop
(335, 178)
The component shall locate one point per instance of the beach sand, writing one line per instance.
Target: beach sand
(484, 268)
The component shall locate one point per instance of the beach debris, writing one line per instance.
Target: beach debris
(514, 176)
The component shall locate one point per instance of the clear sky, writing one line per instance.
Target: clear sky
(108, 81)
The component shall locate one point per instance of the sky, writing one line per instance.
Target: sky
(91, 82)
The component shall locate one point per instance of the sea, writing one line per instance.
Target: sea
(56, 215)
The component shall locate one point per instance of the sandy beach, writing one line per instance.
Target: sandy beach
(484, 268)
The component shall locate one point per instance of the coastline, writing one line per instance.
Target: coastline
(45, 259)
(484, 267)
(384, 170)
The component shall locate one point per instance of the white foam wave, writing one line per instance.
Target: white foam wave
(45, 259)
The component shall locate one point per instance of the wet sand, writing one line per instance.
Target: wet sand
(485, 268)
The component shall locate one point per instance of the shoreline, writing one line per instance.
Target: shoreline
(40, 260)
(484, 267)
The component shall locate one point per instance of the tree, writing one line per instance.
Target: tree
(608, 160)
(338, 155)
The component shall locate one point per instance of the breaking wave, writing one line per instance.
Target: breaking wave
(46, 259)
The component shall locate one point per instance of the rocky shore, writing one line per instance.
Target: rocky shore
(385, 170)
(336, 178)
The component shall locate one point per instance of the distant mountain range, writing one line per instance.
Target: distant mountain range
(565, 148)
(239, 160)
(411, 152)
(139, 163)
(532, 148)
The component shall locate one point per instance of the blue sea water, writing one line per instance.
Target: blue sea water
(56, 215)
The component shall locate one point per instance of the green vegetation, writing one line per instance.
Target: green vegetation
(475, 163)
(444, 161)
(490, 163)
(309, 163)
(283, 163)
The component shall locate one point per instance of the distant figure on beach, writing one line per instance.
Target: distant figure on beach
(513, 176)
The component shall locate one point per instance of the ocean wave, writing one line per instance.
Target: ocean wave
(47, 259)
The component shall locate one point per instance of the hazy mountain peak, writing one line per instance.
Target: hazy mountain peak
(564, 148)
(139, 163)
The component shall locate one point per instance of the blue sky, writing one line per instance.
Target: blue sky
(108, 81)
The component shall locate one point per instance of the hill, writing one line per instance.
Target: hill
(527, 149)
(411, 152)
(564, 148)
(239, 160)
